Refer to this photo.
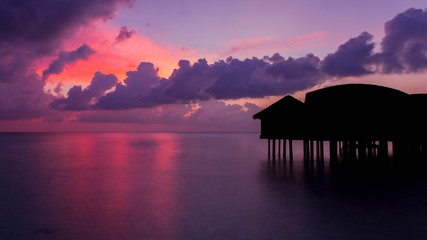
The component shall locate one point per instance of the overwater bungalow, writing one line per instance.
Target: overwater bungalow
(358, 117)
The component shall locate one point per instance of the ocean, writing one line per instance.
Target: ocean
(196, 186)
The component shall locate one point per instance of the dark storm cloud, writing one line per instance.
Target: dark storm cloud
(230, 79)
(44, 20)
(80, 99)
(29, 31)
(188, 82)
(25, 99)
(14, 63)
(404, 47)
(351, 58)
(294, 74)
(124, 34)
(138, 91)
(66, 58)
(236, 78)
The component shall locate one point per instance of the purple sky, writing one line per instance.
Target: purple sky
(123, 65)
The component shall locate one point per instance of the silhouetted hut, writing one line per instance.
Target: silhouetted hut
(358, 116)
(356, 112)
(283, 119)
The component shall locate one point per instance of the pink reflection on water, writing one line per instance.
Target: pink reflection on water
(108, 180)
(164, 198)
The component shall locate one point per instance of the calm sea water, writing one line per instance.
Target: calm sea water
(194, 186)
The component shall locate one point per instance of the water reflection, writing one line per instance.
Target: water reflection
(370, 199)
(195, 186)
(90, 186)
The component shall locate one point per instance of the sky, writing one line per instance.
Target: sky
(199, 66)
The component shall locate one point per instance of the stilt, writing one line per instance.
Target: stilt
(352, 149)
(370, 149)
(269, 151)
(317, 150)
(284, 149)
(345, 149)
(322, 155)
(305, 150)
(291, 155)
(311, 150)
(333, 153)
(278, 148)
(383, 150)
(361, 149)
(274, 149)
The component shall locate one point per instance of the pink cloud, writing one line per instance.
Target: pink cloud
(273, 43)
(117, 57)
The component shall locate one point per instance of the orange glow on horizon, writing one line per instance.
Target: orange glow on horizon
(114, 57)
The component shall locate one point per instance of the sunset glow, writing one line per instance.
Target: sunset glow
(194, 60)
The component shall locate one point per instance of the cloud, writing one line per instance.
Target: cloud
(124, 34)
(33, 32)
(30, 31)
(351, 57)
(269, 42)
(138, 90)
(25, 99)
(257, 78)
(231, 79)
(43, 20)
(272, 76)
(212, 115)
(404, 47)
(15, 63)
(81, 99)
(293, 74)
(66, 58)
(189, 82)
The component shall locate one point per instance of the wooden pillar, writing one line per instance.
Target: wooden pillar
(317, 150)
(305, 150)
(383, 150)
(345, 149)
(284, 149)
(353, 150)
(361, 149)
(291, 155)
(370, 149)
(278, 148)
(333, 152)
(274, 149)
(269, 152)
(311, 150)
(375, 149)
(400, 149)
(322, 152)
(395, 150)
